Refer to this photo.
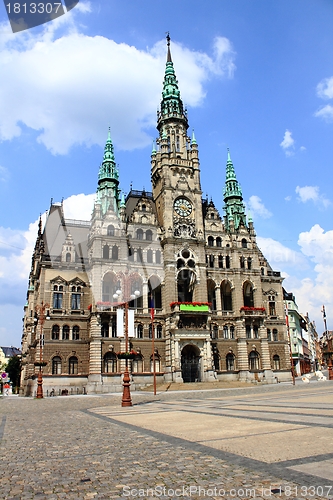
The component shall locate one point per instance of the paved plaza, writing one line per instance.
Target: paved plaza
(254, 442)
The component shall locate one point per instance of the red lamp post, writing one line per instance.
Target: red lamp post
(126, 280)
(41, 317)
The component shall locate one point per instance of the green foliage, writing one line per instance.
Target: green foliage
(14, 370)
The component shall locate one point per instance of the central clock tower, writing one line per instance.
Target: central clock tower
(175, 173)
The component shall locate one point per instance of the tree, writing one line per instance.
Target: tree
(14, 370)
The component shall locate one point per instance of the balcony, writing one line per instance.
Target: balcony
(191, 307)
(252, 311)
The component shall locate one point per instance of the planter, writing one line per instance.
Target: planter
(194, 308)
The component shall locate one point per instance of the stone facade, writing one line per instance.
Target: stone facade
(218, 305)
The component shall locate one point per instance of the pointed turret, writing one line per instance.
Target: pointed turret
(172, 107)
(234, 207)
(108, 179)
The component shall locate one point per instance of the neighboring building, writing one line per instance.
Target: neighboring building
(219, 311)
(326, 343)
(8, 352)
(299, 346)
(311, 336)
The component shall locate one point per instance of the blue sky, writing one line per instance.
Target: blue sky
(256, 76)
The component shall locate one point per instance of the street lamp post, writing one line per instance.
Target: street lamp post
(126, 280)
(41, 317)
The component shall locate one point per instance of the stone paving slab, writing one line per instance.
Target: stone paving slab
(80, 448)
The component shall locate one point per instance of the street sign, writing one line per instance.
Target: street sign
(4, 376)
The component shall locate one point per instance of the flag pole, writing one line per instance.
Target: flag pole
(153, 345)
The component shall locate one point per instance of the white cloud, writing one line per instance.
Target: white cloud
(94, 82)
(325, 88)
(79, 206)
(307, 193)
(312, 292)
(4, 174)
(288, 143)
(325, 112)
(325, 91)
(280, 256)
(258, 208)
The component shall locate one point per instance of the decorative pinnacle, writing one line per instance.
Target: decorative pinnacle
(169, 59)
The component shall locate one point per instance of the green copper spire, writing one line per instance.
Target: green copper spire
(153, 151)
(234, 207)
(193, 138)
(108, 179)
(171, 104)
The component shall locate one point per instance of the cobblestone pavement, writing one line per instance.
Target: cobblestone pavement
(256, 442)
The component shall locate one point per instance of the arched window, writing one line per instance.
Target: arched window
(106, 252)
(271, 307)
(225, 332)
(211, 294)
(110, 230)
(158, 257)
(143, 208)
(105, 329)
(73, 365)
(248, 331)
(57, 297)
(249, 263)
(255, 331)
(76, 332)
(150, 335)
(220, 261)
(68, 257)
(244, 243)
(211, 261)
(226, 296)
(110, 362)
(157, 362)
(276, 362)
(269, 335)
(109, 287)
(248, 295)
(253, 361)
(210, 241)
(230, 361)
(139, 255)
(139, 234)
(227, 262)
(262, 271)
(149, 235)
(114, 252)
(137, 363)
(149, 256)
(216, 358)
(65, 332)
(218, 242)
(159, 331)
(56, 365)
(55, 332)
(242, 262)
(232, 332)
(215, 332)
(275, 335)
(139, 331)
(185, 285)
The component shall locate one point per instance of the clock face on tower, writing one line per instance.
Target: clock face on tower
(183, 207)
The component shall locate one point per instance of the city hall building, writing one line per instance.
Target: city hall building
(218, 311)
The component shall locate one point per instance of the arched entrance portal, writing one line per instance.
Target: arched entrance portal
(191, 364)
